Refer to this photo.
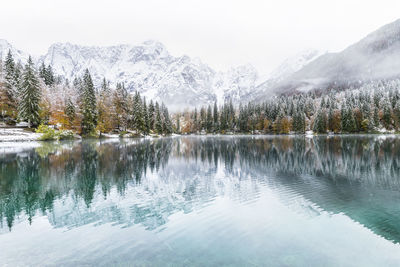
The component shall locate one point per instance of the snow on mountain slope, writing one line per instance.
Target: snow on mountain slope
(294, 63)
(179, 82)
(18, 55)
(375, 57)
(235, 83)
(282, 72)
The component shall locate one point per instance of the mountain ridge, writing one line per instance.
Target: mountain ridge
(181, 81)
(374, 57)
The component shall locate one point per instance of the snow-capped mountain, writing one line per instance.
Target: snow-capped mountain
(18, 55)
(179, 82)
(294, 63)
(149, 68)
(234, 84)
(377, 56)
(183, 81)
(282, 72)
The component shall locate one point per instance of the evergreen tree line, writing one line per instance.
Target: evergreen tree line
(41, 97)
(373, 107)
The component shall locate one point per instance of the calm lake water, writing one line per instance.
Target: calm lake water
(202, 201)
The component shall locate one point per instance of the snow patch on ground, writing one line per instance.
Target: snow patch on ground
(110, 135)
(17, 135)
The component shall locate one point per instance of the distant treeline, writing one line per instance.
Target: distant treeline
(41, 97)
(372, 107)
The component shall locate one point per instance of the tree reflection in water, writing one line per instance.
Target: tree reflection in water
(145, 181)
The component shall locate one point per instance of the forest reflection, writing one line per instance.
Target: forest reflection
(145, 181)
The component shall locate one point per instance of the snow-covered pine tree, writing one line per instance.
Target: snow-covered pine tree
(209, 120)
(49, 78)
(348, 120)
(70, 112)
(9, 77)
(299, 122)
(146, 119)
(151, 115)
(30, 96)
(158, 124)
(138, 122)
(18, 78)
(167, 124)
(243, 119)
(376, 117)
(89, 112)
(396, 114)
(42, 71)
(178, 124)
(320, 124)
(104, 108)
(120, 102)
(223, 125)
(203, 119)
(195, 121)
(387, 114)
(215, 117)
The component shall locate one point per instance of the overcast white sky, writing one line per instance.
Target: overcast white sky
(222, 33)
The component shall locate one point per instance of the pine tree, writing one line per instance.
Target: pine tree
(243, 119)
(104, 107)
(49, 76)
(89, 120)
(396, 113)
(18, 79)
(9, 77)
(158, 124)
(387, 115)
(120, 103)
(151, 115)
(70, 112)
(30, 96)
(42, 71)
(348, 120)
(146, 129)
(203, 119)
(178, 125)
(299, 122)
(215, 115)
(46, 74)
(138, 116)
(223, 126)
(320, 122)
(195, 121)
(209, 120)
(376, 117)
(167, 124)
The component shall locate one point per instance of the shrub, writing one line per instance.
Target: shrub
(92, 134)
(48, 133)
(65, 135)
(123, 133)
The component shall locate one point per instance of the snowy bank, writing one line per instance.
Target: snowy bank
(17, 135)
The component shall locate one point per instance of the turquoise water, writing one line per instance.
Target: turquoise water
(202, 201)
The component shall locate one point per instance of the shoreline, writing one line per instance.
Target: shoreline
(20, 135)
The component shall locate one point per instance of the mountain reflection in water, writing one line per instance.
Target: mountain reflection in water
(146, 181)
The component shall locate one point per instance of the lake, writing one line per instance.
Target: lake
(202, 201)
